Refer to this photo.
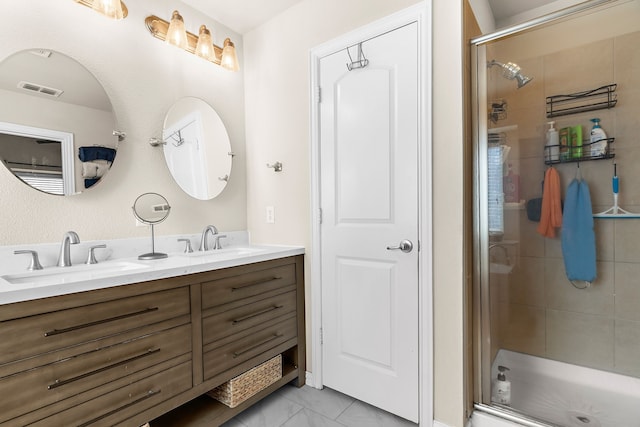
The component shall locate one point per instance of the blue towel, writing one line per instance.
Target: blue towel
(88, 154)
(90, 182)
(578, 238)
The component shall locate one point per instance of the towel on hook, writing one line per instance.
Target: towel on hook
(90, 182)
(551, 212)
(89, 154)
(578, 237)
(95, 169)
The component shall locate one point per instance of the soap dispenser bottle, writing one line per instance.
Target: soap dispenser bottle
(552, 150)
(501, 392)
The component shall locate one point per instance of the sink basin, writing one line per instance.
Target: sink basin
(55, 275)
(225, 253)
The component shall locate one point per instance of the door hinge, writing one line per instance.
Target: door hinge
(321, 337)
(318, 95)
(320, 215)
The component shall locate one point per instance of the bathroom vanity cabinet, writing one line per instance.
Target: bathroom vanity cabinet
(147, 351)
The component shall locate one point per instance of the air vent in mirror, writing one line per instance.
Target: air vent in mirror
(34, 87)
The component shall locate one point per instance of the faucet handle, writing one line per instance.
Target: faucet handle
(91, 259)
(216, 241)
(35, 262)
(187, 248)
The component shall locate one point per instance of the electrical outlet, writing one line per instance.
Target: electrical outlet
(270, 215)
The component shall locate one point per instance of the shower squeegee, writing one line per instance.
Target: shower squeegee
(616, 211)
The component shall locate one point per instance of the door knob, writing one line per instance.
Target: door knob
(405, 246)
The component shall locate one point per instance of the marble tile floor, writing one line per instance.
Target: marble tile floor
(309, 407)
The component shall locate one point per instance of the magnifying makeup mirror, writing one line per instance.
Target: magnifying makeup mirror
(151, 209)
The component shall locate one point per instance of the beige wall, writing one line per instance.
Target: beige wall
(448, 216)
(536, 310)
(143, 77)
(277, 86)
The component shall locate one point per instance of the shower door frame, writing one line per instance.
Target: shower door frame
(481, 295)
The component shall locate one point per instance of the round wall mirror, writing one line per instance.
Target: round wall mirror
(56, 122)
(197, 148)
(151, 209)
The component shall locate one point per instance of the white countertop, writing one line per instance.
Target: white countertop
(20, 285)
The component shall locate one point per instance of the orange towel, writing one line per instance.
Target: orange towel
(551, 214)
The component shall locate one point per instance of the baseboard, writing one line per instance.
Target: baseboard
(439, 424)
(309, 380)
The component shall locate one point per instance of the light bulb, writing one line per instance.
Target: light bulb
(176, 34)
(229, 59)
(204, 48)
(109, 8)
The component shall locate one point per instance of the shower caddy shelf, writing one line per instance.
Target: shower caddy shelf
(572, 155)
(600, 98)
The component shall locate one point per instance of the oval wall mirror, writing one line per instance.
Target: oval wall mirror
(197, 148)
(56, 122)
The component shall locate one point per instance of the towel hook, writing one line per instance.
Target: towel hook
(177, 137)
(277, 166)
(119, 134)
(587, 284)
(361, 62)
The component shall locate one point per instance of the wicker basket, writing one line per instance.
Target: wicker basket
(238, 389)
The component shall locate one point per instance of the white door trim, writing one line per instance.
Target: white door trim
(66, 147)
(420, 13)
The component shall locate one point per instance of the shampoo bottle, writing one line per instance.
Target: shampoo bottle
(511, 185)
(598, 139)
(552, 151)
(501, 392)
(576, 141)
(565, 142)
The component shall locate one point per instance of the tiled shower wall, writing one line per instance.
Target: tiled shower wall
(535, 309)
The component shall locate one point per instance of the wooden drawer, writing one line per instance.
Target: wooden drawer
(233, 350)
(55, 330)
(115, 407)
(247, 316)
(247, 284)
(71, 376)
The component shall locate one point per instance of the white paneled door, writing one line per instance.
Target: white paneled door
(369, 232)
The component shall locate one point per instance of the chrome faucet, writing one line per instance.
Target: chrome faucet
(69, 238)
(203, 242)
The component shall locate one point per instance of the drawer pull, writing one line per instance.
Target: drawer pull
(98, 322)
(255, 283)
(60, 383)
(258, 313)
(147, 395)
(241, 352)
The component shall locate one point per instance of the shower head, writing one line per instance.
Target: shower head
(511, 71)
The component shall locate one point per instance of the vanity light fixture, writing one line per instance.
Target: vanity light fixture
(200, 45)
(114, 9)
